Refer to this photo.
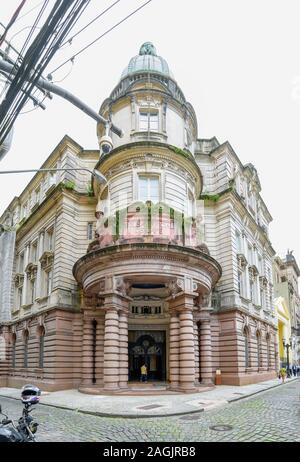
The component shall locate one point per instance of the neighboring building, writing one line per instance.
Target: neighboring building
(286, 274)
(180, 273)
(284, 331)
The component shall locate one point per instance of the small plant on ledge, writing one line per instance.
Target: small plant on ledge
(69, 184)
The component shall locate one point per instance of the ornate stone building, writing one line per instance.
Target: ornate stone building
(168, 264)
(286, 273)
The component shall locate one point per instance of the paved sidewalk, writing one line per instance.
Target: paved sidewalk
(150, 405)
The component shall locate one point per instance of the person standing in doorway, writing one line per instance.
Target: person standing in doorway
(144, 373)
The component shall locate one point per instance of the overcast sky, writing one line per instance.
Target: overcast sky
(237, 62)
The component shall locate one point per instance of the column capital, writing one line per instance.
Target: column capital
(115, 301)
(182, 301)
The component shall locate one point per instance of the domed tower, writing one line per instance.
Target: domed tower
(147, 278)
(149, 105)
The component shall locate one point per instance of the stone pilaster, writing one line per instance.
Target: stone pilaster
(174, 351)
(197, 357)
(87, 352)
(123, 324)
(100, 351)
(39, 285)
(205, 351)
(25, 284)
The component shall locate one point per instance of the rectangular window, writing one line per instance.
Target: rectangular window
(50, 240)
(149, 188)
(32, 291)
(238, 242)
(24, 210)
(90, 231)
(34, 252)
(148, 121)
(41, 350)
(48, 282)
(21, 263)
(20, 293)
(13, 353)
(37, 195)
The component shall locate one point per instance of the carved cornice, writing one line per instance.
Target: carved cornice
(206, 270)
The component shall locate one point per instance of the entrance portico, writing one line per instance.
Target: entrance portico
(145, 313)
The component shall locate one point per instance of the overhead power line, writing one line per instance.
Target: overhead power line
(100, 37)
(91, 22)
(13, 19)
(58, 24)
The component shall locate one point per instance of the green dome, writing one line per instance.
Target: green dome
(147, 61)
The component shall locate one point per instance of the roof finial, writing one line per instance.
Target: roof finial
(148, 49)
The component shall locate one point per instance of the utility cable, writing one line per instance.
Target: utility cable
(11, 22)
(91, 22)
(102, 35)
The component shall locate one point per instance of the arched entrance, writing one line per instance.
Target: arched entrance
(147, 348)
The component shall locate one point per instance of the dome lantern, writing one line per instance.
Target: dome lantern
(147, 61)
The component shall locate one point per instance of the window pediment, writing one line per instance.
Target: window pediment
(46, 259)
(31, 270)
(263, 282)
(242, 261)
(19, 279)
(253, 271)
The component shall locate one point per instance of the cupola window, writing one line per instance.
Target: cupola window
(148, 188)
(148, 121)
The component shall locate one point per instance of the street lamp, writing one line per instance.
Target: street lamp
(97, 175)
(287, 346)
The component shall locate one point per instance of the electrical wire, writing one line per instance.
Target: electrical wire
(62, 18)
(12, 21)
(91, 22)
(102, 35)
(29, 11)
(49, 76)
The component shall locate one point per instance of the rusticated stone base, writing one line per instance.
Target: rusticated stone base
(247, 379)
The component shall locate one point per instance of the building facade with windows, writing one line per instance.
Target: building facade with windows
(168, 264)
(286, 273)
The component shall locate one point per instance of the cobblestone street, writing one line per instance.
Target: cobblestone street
(269, 416)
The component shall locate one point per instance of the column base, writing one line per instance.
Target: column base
(206, 382)
(174, 386)
(187, 388)
(123, 385)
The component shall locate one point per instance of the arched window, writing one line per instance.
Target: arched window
(25, 355)
(246, 347)
(13, 350)
(41, 335)
(258, 343)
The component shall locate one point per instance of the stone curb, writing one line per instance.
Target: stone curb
(151, 416)
(232, 400)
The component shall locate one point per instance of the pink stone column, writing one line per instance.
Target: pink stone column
(187, 350)
(205, 352)
(87, 352)
(100, 351)
(111, 349)
(123, 324)
(174, 351)
(197, 358)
